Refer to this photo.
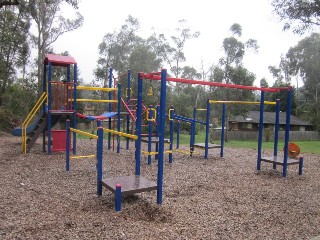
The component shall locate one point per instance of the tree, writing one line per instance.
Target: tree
(174, 55)
(8, 3)
(50, 25)
(303, 59)
(298, 15)
(14, 48)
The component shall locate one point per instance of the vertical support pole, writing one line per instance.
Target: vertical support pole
(49, 106)
(99, 160)
(128, 98)
(260, 131)
(300, 165)
(287, 133)
(193, 131)
(171, 132)
(150, 125)
(44, 89)
(119, 119)
(223, 124)
(162, 118)
(178, 134)
(68, 145)
(75, 79)
(118, 198)
(276, 132)
(206, 149)
(109, 108)
(138, 123)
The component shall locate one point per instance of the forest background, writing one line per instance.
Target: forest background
(34, 26)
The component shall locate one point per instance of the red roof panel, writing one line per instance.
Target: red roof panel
(59, 60)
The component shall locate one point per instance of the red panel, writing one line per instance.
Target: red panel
(59, 60)
(59, 140)
(216, 84)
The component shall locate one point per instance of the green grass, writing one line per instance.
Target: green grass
(305, 146)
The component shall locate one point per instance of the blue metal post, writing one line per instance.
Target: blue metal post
(119, 119)
(75, 79)
(138, 124)
(300, 165)
(276, 132)
(150, 116)
(287, 133)
(260, 131)
(118, 198)
(128, 98)
(193, 131)
(178, 134)
(49, 106)
(68, 145)
(171, 133)
(162, 118)
(110, 108)
(223, 122)
(99, 160)
(206, 149)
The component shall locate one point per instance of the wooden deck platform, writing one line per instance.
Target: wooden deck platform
(279, 160)
(203, 145)
(129, 184)
(154, 140)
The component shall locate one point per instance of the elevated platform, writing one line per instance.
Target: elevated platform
(154, 140)
(129, 184)
(203, 145)
(279, 160)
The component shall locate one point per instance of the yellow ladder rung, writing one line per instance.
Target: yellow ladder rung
(84, 156)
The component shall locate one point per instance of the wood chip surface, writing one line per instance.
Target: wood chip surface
(215, 198)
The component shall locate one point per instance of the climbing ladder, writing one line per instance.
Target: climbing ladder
(131, 107)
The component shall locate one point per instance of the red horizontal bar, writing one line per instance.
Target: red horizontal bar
(215, 84)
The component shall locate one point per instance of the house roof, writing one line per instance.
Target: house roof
(269, 118)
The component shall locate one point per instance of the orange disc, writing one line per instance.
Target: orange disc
(293, 149)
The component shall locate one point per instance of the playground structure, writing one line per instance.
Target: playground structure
(275, 160)
(52, 105)
(59, 98)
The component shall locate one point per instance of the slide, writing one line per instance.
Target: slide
(18, 130)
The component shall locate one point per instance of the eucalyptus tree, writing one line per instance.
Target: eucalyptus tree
(230, 70)
(298, 15)
(171, 51)
(50, 23)
(304, 60)
(14, 47)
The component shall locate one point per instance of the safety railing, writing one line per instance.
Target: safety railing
(28, 119)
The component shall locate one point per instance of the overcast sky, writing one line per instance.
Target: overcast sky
(211, 18)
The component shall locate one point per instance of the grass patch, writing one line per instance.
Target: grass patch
(305, 146)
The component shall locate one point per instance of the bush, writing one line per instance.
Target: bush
(7, 120)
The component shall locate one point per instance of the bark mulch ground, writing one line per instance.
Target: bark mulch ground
(202, 199)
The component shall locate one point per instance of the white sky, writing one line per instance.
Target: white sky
(212, 18)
